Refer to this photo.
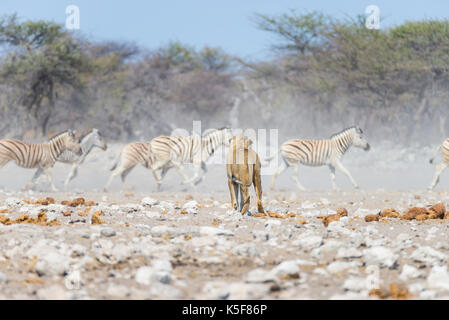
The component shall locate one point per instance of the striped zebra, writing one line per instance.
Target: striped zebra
(164, 152)
(88, 140)
(444, 148)
(320, 152)
(131, 155)
(41, 156)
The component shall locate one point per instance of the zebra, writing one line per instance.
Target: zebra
(444, 147)
(131, 155)
(41, 156)
(320, 152)
(88, 140)
(164, 152)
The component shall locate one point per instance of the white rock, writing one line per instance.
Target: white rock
(409, 272)
(428, 255)
(162, 265)
(147, 201)
(108, 232)
(286, 268)
(207, 230)
(348, 253)
(52, 263)
(340, 266)
(12, 201)
(311, 242)
(355, 284)
(153, 214)
(380, 256)
(308, 205)
(438, 278)
(216, 290)
(191, 204)
(144, 275)
(259, 275)
(331, 246)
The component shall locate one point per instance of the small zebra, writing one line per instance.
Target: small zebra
(41, 156)
(320, 152)
(165, 152)
(88, 140)
(444, 147)
(131, 155)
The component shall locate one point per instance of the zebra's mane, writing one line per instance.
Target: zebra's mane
(58, 135)
(346, 130)
(84, 133)
(210, 131)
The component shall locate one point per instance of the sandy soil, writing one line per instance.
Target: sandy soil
(188, 244)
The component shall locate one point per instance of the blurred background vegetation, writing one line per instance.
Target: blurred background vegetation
(324, 75)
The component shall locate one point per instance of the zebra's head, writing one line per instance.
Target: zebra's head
(71, 142)
(358, 140)
(227, 135)
(96, 139)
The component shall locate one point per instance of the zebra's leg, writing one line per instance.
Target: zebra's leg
(438, 170)
(50, 179)
(334, 184)
(158, 178)
(180, 168)
(200, 172)
(117, 171)
(33, 180)
(278, 171)
(340, 167)
(295, 177)
(123, 176)
(72, 174)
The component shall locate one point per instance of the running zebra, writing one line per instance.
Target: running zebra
(164, 152)
(41, 156)
(444, 147)
(88, 140)
(319, 153)
(130, 156)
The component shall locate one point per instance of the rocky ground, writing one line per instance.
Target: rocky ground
(188, 244)
(192, 246)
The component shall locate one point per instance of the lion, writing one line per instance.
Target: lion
(243, 169)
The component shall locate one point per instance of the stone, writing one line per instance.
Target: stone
(311, 242)
(438, 278)
(428, 255)
(52, 263)
(108, 232)
(381, 256)
(409, 272)
(149, 202)
(206, 230)
(348, 253)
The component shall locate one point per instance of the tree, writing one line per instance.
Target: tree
(43, 60)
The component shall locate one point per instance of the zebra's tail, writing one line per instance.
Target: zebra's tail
(435, 154)
(117, 160)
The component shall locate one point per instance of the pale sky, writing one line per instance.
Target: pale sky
(219, 23)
